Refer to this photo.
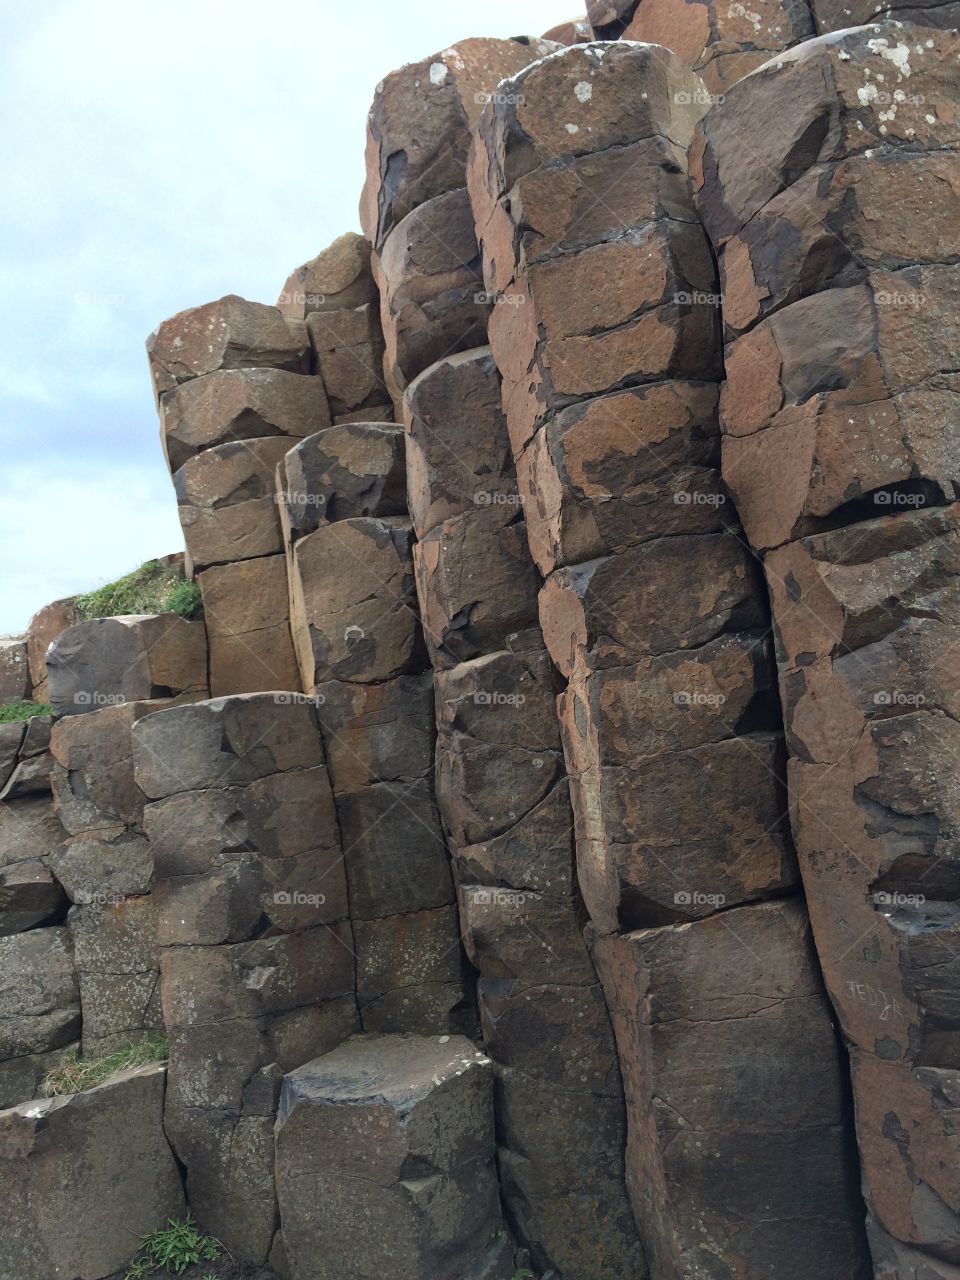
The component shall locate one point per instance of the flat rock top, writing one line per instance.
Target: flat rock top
(392, 1069)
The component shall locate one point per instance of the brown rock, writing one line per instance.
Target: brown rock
(227, 502)
(475, 582)
(458, 452)
(108, 661)
(721, 42)
(348, 347)
(418, 132)
(39, 1006)
(411, 974)
(118, 967)
(246, 611)
(44, 627)
(354, 615)
(432, 299)
(231, 333)
(15, 685)
(536, 853)
(356, 469)
(376, 732)
(337, 279)
(29, 896)
(735, 1096)
(609, 17)
(577, 31)
(239, 404)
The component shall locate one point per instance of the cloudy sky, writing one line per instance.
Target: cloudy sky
(155, 157)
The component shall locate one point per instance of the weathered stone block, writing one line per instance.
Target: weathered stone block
(476, 584)
(432, 299)
(44, 627)
(239, 404)
(15, 685)
(385, 1153)
(337, 279)
(411, 974)
(227, 503)
(85, 1177)
(377, 732)
(108, 661)
(354, 613)
(39, 1003)
(458, 451)
(247, 615)
(118, 967)
(231, 333)
(356, 469)
(348, 348)
(418, 132)
(735, 1096)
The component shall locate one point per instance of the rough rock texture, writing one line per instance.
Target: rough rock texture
(418, 131)
(577, 31)
(337, 279)
(108, 661)
(256, 956)
(15, 684)
(239, 404)
(85, 1177)
(432, 297)
(355, 469)
(722, 42)
(385, 1163)
(609, 17)
(348, 349)
(247, 616)
(44, 627)
(231, 333)
(693, 1006)
(353, 615)
(118, 968)
(39, 1008)
(227, 501)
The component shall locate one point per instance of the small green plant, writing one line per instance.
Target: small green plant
(74, 1074)
(185, 599)
(153, 588)
(173, 1248)
(524, 1273)
(11, 711)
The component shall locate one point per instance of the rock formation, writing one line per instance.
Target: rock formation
(541, 855)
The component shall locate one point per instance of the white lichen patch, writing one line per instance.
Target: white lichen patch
(866, 94)
(572, 128)
(741, 11)
(583, 90)
(898, 54)
(438, 72)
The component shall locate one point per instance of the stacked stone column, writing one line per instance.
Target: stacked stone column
(501, 783)
(256, 950)
(836, 232)
(653, 614)
(233, 386)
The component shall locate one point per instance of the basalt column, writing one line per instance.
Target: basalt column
(606, 331)
(501, 785)
(837, 227)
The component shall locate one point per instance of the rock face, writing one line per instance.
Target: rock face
(39, 1008)
(385, 1163)
(256, 954)
(15, 684)
(109, 661)
(338, 279)
(246, 611)
(842, 462)
(85, 1177)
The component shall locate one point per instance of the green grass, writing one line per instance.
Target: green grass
(12, 711)
(172, 1249)
(153, 588)
(75, 1074)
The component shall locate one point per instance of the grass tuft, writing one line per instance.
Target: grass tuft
(13, 711)
(75, 1074)
(172, 1249)
(153, 588)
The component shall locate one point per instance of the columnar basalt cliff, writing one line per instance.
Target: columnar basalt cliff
(540, 858)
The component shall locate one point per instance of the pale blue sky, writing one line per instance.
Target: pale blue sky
(156, 156)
